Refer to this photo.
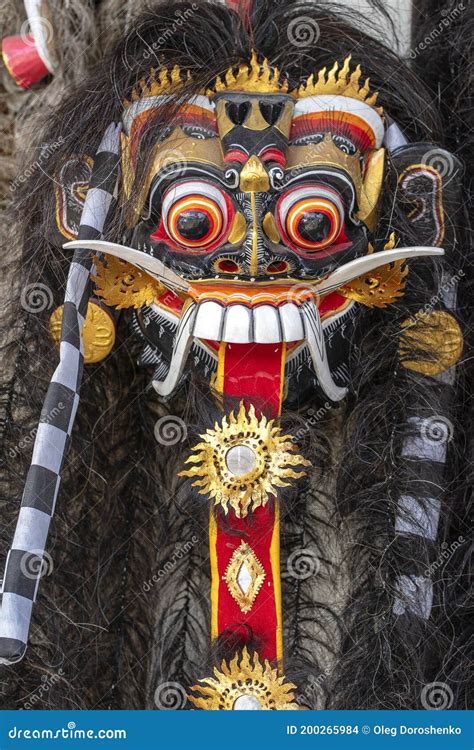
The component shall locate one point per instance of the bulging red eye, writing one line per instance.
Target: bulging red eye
(310, 218)
(195, 221)
(196, 216)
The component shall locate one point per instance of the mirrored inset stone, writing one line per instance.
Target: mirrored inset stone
(247, 703)
(240, 460)
(244, 578)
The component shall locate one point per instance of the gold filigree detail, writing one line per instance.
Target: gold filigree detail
(273, 456)
(98, 333)
(121, 285)
(253, 77)
(243, 562)
(342, 82)
(380, 287)
(245, 680)
(430, 342)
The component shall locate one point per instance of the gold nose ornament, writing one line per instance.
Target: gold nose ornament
(254, 177)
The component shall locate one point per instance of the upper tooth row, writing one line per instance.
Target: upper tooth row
(238, 324)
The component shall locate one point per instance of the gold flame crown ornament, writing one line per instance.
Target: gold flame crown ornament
(339, 81)
(243, 461)
(166, 81)
(245, 684)
(262, 78)
(255, 77)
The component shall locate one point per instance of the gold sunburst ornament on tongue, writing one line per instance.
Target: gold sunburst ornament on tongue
(242, 462)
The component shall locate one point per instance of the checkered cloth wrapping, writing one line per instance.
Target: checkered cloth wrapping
(25, 560)
(416, 524)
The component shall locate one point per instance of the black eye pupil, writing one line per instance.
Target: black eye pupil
(314, 226)
(193, 225)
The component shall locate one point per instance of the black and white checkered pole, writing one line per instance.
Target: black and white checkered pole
(424, 452)
(25, 559)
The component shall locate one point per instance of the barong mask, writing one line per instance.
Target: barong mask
(259, 202)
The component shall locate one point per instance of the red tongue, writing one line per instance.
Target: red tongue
(255, 373)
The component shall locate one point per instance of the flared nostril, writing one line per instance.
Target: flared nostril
(225, 265)
(278, 266)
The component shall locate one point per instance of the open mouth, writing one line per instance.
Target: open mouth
(239, 324)
(252, 313)
(236, 323)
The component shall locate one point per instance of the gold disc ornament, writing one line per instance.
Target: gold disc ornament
(435, 337)
(243, 461)
(98, 334)
(245, 684)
